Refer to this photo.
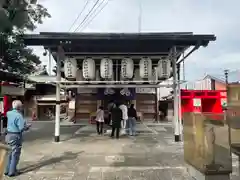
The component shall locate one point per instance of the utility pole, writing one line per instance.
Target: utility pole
(140, 16)
(50, 63)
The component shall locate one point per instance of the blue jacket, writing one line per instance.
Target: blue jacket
(16, 122)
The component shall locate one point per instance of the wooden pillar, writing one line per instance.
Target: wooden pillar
(99, 103)
(156, 105)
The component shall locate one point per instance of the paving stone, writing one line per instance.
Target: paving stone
(87, 156)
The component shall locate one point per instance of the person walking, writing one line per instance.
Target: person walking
(15, 127)
(124, 109)
(116, 121)
(111, 105)
(132, 117)
(100, 120)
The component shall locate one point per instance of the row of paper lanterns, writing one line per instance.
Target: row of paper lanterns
(106, 68)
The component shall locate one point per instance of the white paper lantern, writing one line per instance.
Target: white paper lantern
(106, 68)
(164, 68)
(88, 68)
(70, 68)
(127, 67)
(145, 67)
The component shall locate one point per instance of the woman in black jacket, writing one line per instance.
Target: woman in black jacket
(132, 117)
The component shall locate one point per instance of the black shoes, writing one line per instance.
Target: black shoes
(12, 175)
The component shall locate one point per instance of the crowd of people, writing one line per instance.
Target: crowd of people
(121, 118)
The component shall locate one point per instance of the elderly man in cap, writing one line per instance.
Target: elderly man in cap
(15, 127)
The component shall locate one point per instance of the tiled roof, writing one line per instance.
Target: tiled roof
(233, 76)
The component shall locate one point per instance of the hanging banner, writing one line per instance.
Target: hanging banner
(116, 94)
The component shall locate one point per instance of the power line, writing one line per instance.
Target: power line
(87, 16)
(92, 14)
(79, 14)
(93, 17)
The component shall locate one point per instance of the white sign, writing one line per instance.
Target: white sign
(224, 101)
(145, 91)
(197, 102)
(87, 91)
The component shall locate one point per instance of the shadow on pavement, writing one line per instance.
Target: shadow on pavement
(47, 132)
(36, 166)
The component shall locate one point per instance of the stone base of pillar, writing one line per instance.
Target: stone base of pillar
(177, 138)
(239, 165)
(199, 176)
(56, 138)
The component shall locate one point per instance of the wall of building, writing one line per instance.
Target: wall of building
(30, 106)
(204, 84)
(86, 102)
(146, 102)
(220, 86)
(163, 92)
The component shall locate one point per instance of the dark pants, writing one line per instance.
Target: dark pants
(117, 132)
(15, 142)
(108, 119)
(4, 119)
(99, 127)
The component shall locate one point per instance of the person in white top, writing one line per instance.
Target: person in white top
(124, 109)
(100, 120)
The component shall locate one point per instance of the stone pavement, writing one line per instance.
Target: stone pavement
(83, 155)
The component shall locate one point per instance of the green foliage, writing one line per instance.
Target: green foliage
(17, 17)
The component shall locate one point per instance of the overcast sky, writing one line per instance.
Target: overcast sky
(219, 17)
